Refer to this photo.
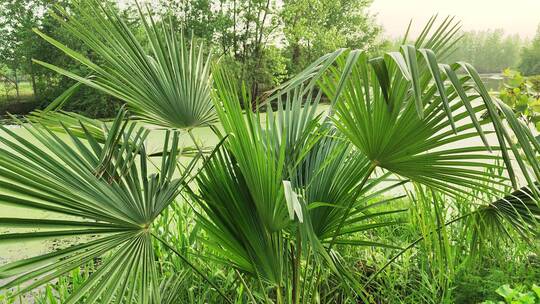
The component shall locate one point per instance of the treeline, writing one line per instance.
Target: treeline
(530, 57)
(492, 51)
(262, 41)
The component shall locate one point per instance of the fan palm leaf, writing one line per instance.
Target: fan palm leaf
(241, 190)
(518, 211)
(165, 82)
(329, 178)
(99, 200)
(404, 120)
(412, 116)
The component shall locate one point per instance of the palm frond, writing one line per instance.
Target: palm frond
(517, 212)
(241, 190)
(329, 179)
(58, 121)
(79, 125)
(165, 82)
(108, 201)
(406, 112)
(404, 124)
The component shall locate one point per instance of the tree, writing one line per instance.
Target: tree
(17, 18)
(264, 40)
(261, 40)
(530, 56)
(195, 18)
(239, 31)
(490, 51)
(251, 30)
(314, 28)
(19, 45)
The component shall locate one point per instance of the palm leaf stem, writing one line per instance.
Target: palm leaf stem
(296, 267)
(199, 148)
(250, 294)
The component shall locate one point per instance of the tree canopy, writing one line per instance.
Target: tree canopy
(263, 41)
(530, 56)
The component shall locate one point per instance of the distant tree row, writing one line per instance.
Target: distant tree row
(492, 51)
(530, 58)
(263, 41)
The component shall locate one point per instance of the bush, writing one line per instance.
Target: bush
(522, 95)
(518, 295)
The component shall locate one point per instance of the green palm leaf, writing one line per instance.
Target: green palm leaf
(165, 82)
(77, 124)
(109, 203)
(518, 211)
(241, 190)
(407, 114)
(390, 131)
(408, 121)
(329, 178)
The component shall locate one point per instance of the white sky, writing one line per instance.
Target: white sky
(514, 16)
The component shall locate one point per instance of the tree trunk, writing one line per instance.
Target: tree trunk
(33, 78)
(296, 54)
(16, 83)
(235, 46)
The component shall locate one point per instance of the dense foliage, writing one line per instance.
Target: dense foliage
(530, 62)
(489, 51)
(262, 41)
(523, 95)
(19, 45)
(409, 185)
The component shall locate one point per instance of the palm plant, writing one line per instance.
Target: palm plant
(275, 198)
(401, 111)
(165, 82)
(401, 115)
(93, 188)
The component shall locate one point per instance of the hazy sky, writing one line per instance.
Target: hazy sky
(515, 16)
